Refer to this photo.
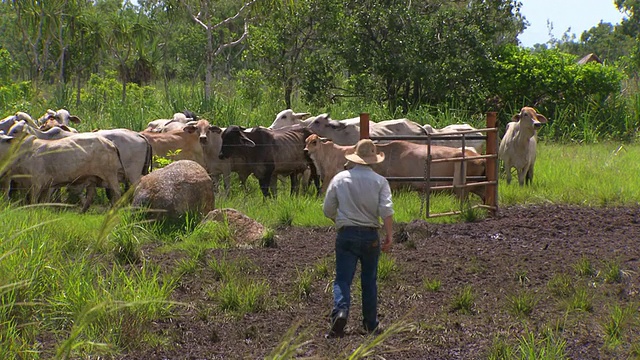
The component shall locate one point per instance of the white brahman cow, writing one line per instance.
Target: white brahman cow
(348, 132)
(518, 145)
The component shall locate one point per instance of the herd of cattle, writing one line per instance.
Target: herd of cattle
(49, 153)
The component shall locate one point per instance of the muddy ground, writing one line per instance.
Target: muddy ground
(518, 252)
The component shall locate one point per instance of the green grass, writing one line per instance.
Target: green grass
(612, 272)
(240, 297)
(303, 283)
(386, 267)
(83, 278)
(580, 300)
(588, 175)
(549, 345)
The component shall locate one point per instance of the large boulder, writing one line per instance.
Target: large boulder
(179, 188)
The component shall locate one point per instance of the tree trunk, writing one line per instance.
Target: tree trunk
(288, 90)
(208, 77)
(124, 89)
(78, 86)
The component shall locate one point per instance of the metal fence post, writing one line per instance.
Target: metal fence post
(364, 126)
(491, 193)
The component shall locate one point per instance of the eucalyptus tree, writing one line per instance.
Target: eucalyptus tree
(87, 49)
(289, 46)
(128, 32)
(38, 24)
(225, 24)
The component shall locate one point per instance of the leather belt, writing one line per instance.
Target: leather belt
(359, 228)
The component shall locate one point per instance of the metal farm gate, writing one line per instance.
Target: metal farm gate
(460, 185)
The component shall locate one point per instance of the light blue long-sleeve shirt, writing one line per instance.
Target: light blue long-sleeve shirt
(358, 197)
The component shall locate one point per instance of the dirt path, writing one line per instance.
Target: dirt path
(520, 250)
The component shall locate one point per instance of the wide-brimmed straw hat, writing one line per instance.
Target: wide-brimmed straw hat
(365, 153)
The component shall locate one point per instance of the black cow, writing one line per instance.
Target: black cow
(269, 153)
(256, 148)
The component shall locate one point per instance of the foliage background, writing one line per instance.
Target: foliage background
(126, 63)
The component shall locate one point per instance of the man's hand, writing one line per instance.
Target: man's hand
(388, 241)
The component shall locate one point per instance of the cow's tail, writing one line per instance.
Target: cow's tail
(148, 158)
(124, 169)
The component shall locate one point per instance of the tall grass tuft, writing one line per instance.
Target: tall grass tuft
(322, 268)
(612, 272)
(500, 350)
(580, 300)
(561, 285)
(463, 301)
(522, 303)
(584, 268)
(386, 267)
(240, 297)
(293, 341)
(303, 282)
(432, 285)
(550, 346)
(619, 318)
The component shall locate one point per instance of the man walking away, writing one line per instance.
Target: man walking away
(356, 200)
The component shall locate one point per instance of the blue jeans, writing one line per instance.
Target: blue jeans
(353, 244)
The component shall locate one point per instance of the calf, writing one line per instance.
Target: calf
(328, 158)
(518, 145)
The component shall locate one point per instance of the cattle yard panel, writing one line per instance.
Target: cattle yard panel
(489, 181)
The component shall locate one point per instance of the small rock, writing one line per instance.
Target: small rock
(245, 231)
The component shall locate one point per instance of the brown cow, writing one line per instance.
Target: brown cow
(179, 144)
(402, 159)
(327, 157)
